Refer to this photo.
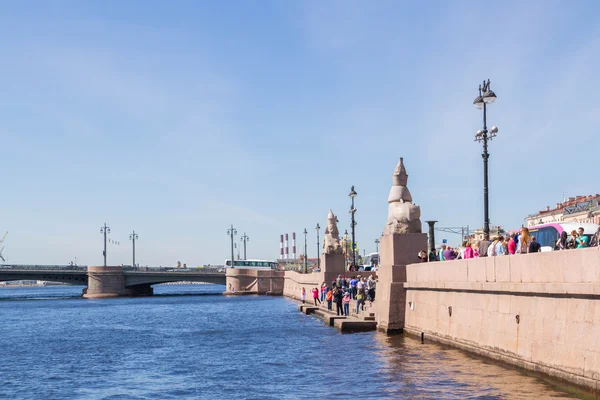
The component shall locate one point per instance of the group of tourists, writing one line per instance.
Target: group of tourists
(521, 243)
(341, 291)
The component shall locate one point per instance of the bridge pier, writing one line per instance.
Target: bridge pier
(104, 282)
(254, 281)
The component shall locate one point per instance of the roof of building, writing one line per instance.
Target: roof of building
(570, 202)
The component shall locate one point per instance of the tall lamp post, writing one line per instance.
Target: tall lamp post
(486, 96)
(352, 195)
(377, 245)
(245, 239)
(232, 231)
(346, 248)
(105, 229)
(318, 228)
(305, 253)
(133, 237)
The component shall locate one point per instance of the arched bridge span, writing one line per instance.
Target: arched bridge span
(116, 281)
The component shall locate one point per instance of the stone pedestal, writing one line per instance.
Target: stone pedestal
(332, 265)
(397, 250)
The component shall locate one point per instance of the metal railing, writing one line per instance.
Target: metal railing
(22, 267)
(174, 269)
(43, 267)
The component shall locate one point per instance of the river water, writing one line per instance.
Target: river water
(187, 342)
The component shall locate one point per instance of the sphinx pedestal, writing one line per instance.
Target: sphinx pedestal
(332, 265)
(397, 250)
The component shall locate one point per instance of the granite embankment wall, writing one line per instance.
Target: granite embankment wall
(294, 282)
(538, 311)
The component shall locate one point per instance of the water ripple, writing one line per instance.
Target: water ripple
(197, 346)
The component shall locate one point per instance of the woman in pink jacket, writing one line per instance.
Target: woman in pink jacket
(315, 293)
(468, 251)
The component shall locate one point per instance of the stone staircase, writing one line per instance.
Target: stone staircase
(364, 321)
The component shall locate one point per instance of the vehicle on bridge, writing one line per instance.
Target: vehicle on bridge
(547, 234)
(251, 264)
(370, 262)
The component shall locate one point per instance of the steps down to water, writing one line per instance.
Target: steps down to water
(362, 322)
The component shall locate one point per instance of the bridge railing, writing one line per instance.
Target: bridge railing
(172, 269)
(125, 268)
(43, 267)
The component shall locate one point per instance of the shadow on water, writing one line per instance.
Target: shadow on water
(454, 369)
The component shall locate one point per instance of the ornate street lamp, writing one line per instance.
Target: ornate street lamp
(346, 250)
(377, 245)
(105, 229)
(133, 237)
(318, 228)
(352, 195)
(305, 253)
(230, 232)
(486, 96)
(245, 239)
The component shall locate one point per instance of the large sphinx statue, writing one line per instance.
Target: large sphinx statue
(403, 215)
(331, 242)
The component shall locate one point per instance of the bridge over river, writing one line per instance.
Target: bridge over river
(110, 281)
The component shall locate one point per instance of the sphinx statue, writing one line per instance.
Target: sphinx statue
(331, 242)
(403, 215)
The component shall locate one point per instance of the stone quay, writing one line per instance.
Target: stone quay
(539, 312)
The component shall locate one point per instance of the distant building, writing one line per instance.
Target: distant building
(583, 209)
(495, 230)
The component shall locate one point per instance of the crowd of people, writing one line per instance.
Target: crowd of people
(341, 290)
(521, 243)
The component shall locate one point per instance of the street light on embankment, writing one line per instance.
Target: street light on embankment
(305, 253)
(486, 96)
(346, 248)
(318, 228)
(352, 195)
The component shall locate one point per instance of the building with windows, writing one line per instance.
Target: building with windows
(582, 209)
(495, 230)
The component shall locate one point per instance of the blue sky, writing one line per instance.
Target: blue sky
(179, 119)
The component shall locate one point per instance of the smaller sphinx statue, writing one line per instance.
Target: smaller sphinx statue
(331, 242)
(403, 215)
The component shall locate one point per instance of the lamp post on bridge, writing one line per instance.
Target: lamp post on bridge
(377, 245)
(245, 239)
(232, 231)
(486, 96)
(104, 230)
(318, 228)
(133, 237)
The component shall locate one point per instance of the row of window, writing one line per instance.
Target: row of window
(244, 263)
